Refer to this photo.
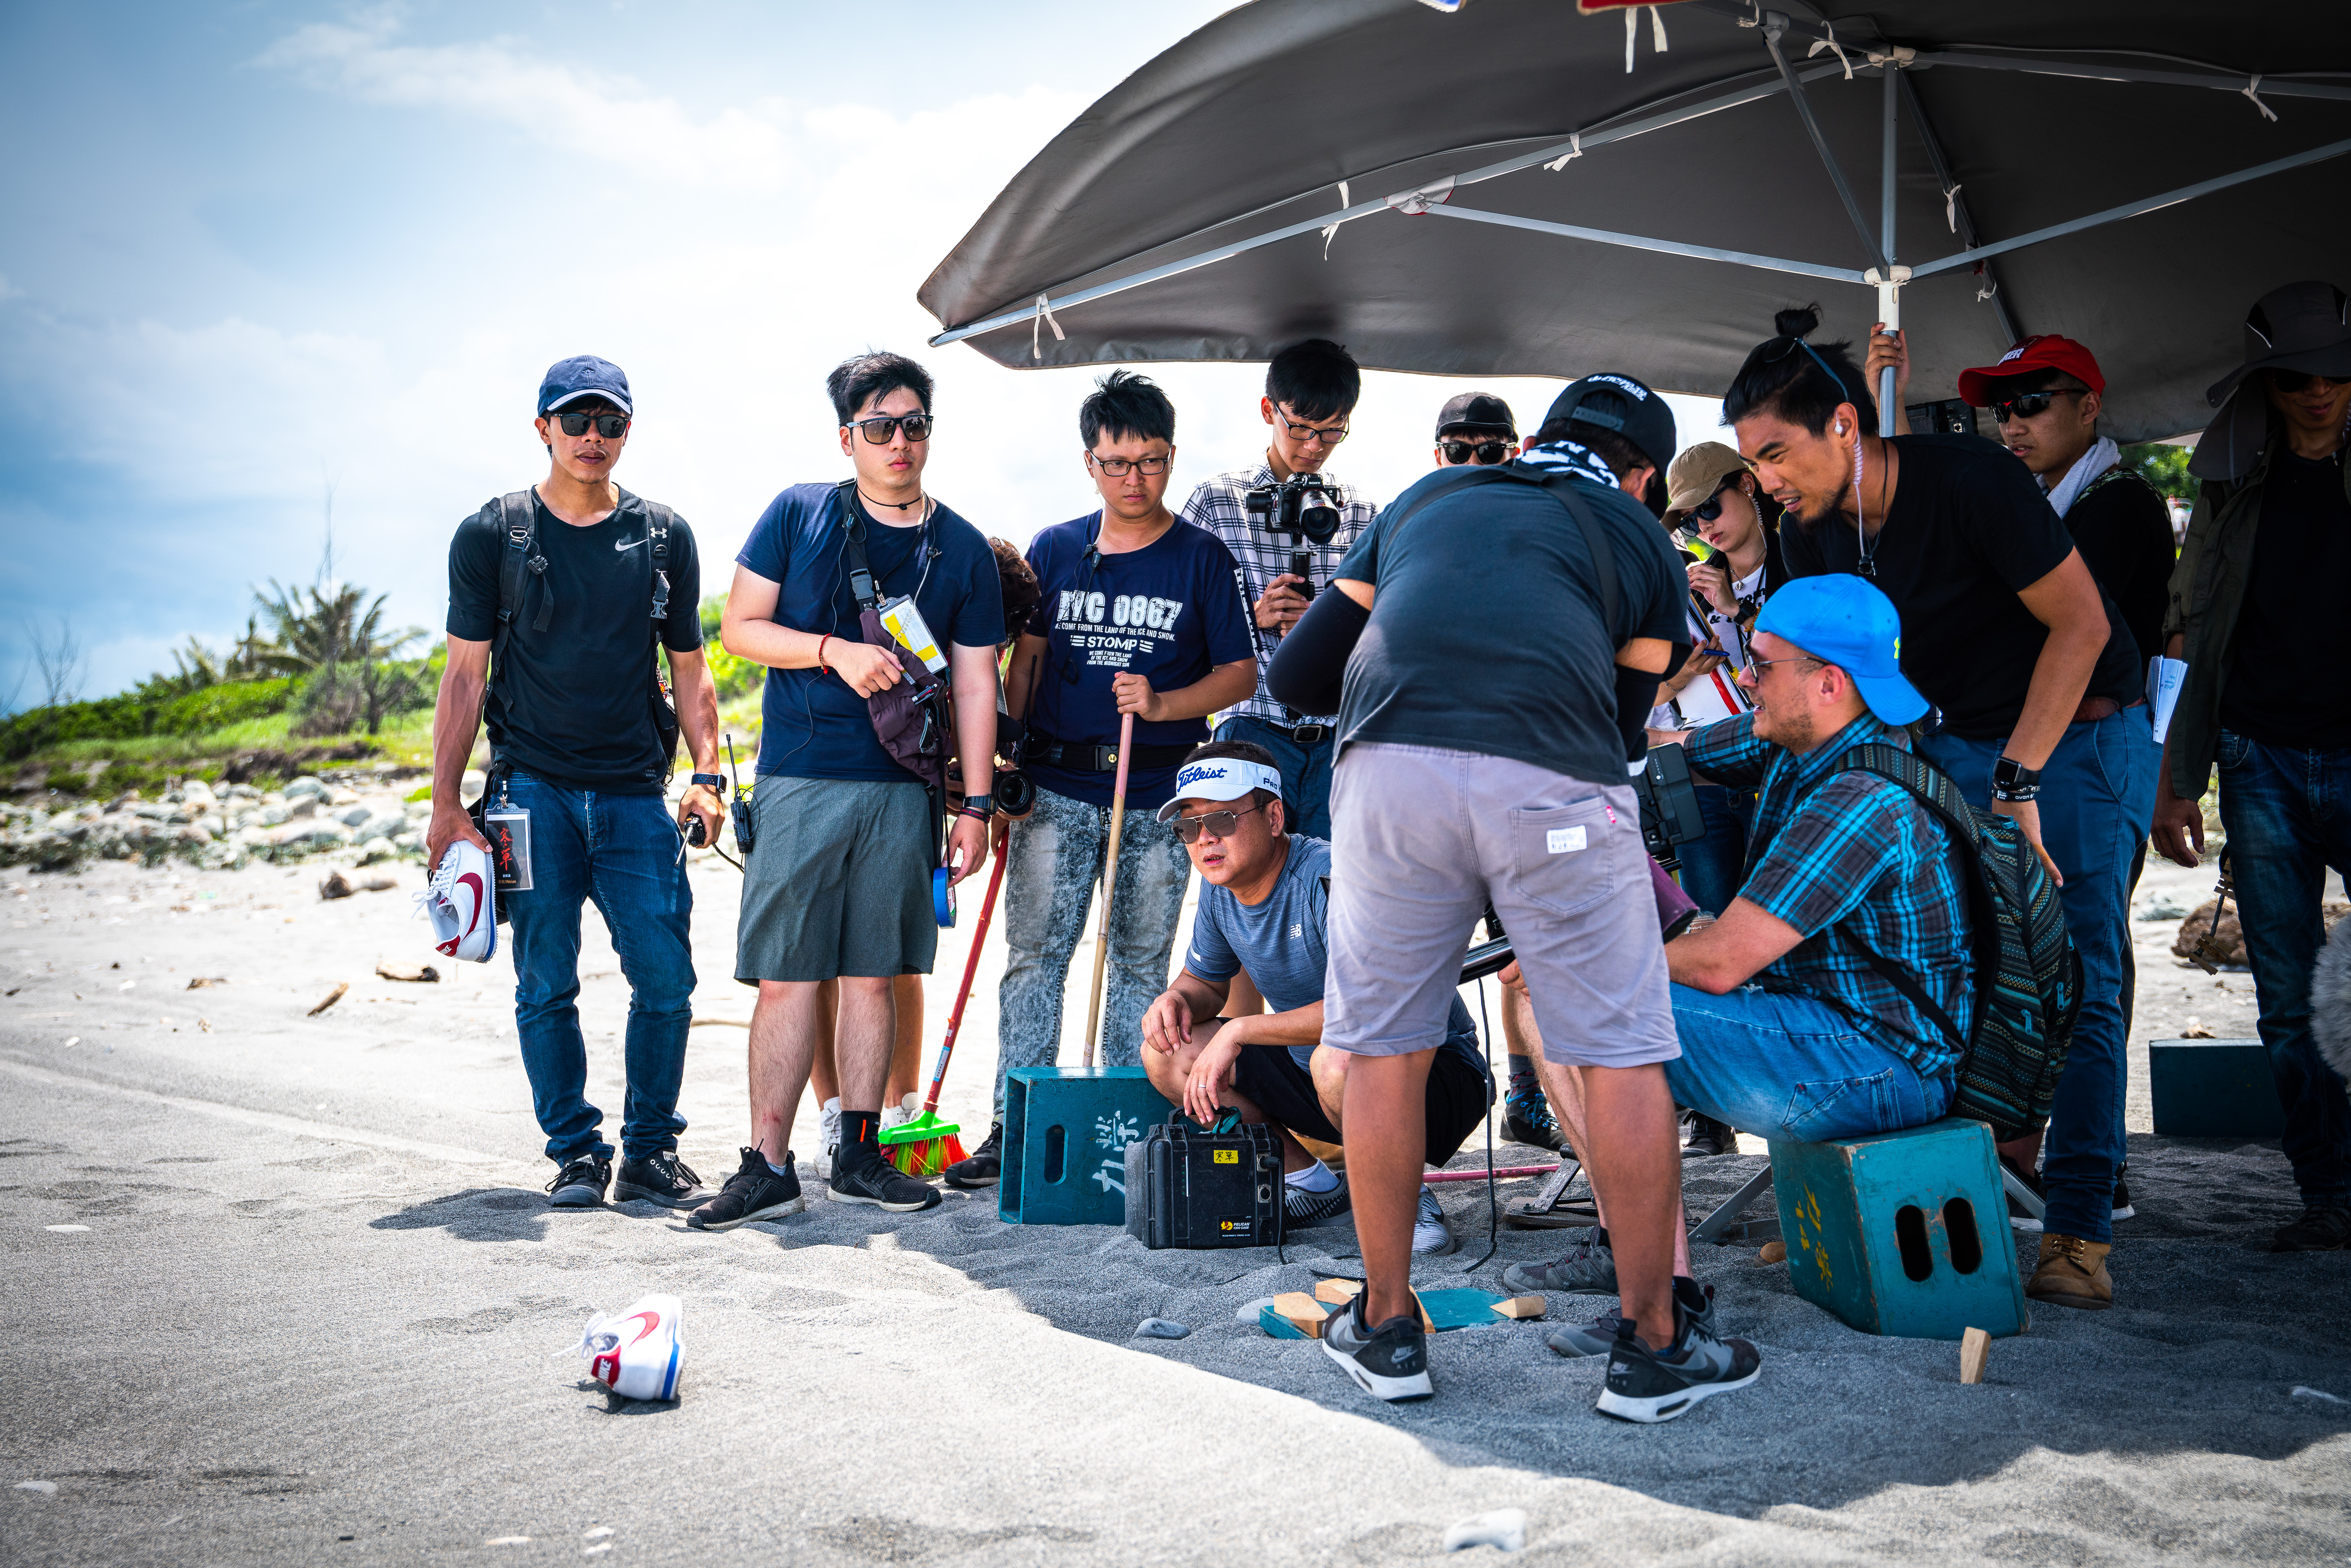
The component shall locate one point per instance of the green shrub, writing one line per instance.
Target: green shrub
(232, 702)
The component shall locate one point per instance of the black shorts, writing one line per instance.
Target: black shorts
(1268, 1076)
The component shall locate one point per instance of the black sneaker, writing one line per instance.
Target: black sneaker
(1598, 1336)
(1649, 1385)
(2123, 1209)
(581, 1183)
(1708, 1137)
(1389, 1363)
(1527, 1118)
(1302, 1208)
(881, 1184)
(753, 1192)
(983, 1164)
(2320, 1229)
(660, 1177)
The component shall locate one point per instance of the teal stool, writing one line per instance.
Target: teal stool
(1065, 1135)
(1904, 1233)
(2213, 1089)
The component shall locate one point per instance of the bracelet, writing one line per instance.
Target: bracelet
(2015, 793)
(968, 812)
(821, 667)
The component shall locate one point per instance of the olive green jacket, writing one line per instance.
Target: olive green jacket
(2207, 595)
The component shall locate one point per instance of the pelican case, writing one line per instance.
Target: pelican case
(1187, 1185)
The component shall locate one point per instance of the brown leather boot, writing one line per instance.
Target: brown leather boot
(2073, 1274)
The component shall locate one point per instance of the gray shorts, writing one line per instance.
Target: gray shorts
(838, 881)
(1423, 837)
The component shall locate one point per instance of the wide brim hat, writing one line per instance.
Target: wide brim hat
(2301, 327)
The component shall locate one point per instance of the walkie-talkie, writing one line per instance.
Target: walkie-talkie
(743, 830)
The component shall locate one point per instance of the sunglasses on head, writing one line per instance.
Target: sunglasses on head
(1490, 450)
(2030, 406)
(883, 428)
(2291, 381)
(1215, 824)
(607, 425)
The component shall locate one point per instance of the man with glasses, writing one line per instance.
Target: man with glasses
(1310, 390)
(2259, 584)
(838, 883)
(558, 597)
(1264, 912)
(1475, 427)
(1137, 615)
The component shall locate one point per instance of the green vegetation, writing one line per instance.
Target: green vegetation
(2163, 466)
(735, 677)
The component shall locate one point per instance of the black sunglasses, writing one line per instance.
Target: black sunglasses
(2030, 406)
(1215, 824)
(607, 425)
(2291, 381)
(881, 429)
(1711, 508)
(1474, 451)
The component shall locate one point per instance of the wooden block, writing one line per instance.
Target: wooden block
(1975, 1348)
(1278, 1327)
(1520, 1307)
(1301, 1312)
(1335, 1291)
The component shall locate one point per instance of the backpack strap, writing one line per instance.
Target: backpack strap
(518, 516)
(1603, 558)
(658, 521)
(852, 546)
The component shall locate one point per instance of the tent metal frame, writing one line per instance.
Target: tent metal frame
(1890, 61)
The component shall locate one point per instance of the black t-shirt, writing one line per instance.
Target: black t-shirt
(573, 703)
(2124, 531)
(1486, 633)
(1968, 531)
(2276, 694)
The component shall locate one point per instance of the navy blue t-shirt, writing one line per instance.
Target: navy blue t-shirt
(1170, 612)
(815, 727)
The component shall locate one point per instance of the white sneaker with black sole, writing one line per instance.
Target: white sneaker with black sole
(1649, 1385)
(1388, 1362)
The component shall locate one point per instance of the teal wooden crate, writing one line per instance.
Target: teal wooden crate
(2213, 1089)
(1904, 1233)
(1065, 1135)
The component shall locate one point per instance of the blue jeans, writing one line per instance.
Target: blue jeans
(2097, 802)
(1792, 1069)
(1305, 772)
(621, 850)
(1714, 866)
(2288, 816)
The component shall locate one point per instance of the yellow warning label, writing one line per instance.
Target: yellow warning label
(1226, 1156)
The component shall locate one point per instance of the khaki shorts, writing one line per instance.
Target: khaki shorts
(838, 881)
(1422, 837)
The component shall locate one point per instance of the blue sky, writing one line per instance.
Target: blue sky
(259, 252)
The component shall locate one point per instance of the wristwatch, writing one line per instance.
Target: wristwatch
(981, 806)
(716, 780)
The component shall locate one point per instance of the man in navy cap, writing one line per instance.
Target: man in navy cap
(557, 597)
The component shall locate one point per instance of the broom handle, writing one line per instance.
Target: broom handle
(970, 968)
(1110, 882)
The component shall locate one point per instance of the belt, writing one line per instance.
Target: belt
(2093, 709)
(1038, 746)
(1303, 733)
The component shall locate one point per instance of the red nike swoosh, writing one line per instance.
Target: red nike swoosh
(475, 917)
(653, 1322)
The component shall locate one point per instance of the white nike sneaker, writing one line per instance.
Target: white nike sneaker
(639, 1354)
(462, 902)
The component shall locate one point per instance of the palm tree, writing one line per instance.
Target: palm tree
(318, 629)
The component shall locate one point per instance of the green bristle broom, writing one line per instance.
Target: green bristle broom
(926, 1145)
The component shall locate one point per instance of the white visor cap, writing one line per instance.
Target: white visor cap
(1220, 778)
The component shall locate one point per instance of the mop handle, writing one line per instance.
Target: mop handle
(1110, 882)
(970, 968)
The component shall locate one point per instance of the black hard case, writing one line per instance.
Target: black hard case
(1190, 1188)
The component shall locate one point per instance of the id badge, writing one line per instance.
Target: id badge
(507, 827)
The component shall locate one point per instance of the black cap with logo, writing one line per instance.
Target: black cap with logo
(1476, 411)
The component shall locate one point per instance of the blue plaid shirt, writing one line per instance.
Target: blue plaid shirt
(1856, 865)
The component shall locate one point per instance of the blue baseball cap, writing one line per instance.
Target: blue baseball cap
(1848, 622)
(583, 375)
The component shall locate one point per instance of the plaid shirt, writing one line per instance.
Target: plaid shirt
(1216, 506)
(1856, 865)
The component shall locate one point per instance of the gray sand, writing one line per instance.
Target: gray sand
(319, 1285)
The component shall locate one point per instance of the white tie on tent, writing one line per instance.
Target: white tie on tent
(1506, 187)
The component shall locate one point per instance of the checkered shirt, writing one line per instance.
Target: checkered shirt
(1216, 506)
(1856, 865)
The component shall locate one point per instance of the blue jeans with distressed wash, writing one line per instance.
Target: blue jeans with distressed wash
(622, 852)
(2288, 816)
(2097, 802)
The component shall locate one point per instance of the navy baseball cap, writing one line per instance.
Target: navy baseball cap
(1846, 621)
(583, 376)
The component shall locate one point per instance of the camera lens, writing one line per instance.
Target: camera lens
(1015, 794)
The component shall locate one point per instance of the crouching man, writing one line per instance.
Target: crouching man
(1264, 912)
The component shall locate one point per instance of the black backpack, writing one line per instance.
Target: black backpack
(518, 511)
(2028, 976)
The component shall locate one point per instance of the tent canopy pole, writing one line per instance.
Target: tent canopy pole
(1668, 246)
(1963, 225)
(1771, 27)
(1889, 292)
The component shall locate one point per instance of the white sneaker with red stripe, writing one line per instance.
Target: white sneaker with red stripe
(462, 904)
(639, 1354)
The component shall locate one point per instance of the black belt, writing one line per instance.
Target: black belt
(1303, 733)
(1040, 746)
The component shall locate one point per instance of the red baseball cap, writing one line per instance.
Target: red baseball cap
(2046, 351)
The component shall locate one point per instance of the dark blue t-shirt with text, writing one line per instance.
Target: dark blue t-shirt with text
(814, 726)
(1170, 612)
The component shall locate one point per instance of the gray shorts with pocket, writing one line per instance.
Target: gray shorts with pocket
(838, 880)
(1423, 837)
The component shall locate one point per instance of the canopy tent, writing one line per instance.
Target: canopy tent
(1491, 191)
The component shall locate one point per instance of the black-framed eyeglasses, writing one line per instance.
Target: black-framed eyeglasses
(1306, 432)
(2032, 405)
(883, 428)
(1490, 451)
(1120, 467)
(2291, 381)
(1215, 824)
(607, 425)
(1711, 509)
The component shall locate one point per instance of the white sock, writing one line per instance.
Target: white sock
(1316, 1177)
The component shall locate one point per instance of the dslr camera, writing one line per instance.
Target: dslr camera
(1305, 507)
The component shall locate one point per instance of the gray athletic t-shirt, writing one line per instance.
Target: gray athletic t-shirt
(1281, 943)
